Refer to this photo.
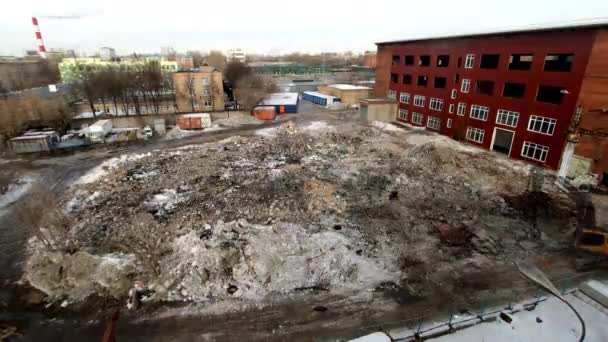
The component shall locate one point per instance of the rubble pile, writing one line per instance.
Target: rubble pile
(339, 208)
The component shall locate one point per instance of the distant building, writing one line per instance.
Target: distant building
(72, 69)
(107, 53)
(167, 51)
(514, 92)
(198, 90)
(237, 55)
(349, 94)
(17, 74)
(185, 62)
(369, 59)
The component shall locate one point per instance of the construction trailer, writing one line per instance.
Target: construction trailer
(282, 102)
(97, 131)
(265, 113)
(35, 141)
(320, 99)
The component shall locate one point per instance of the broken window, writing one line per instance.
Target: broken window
(489, 61)
(485, 87)
(456, 78)
(407, 79)
(459, 62)
(394, 78)
(514, 90)
(396, 60)
(422, 81)
(440, 82)
(409, 60)
(443, 61)
(550, 94)
(425, 60)
(520, 62)
(558, 62)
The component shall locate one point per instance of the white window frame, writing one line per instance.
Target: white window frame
(404, 98)
(206, 92)
(205, 81)
(469, 61)
(392, 94)
(451, 110)
(208, 103)
(402, 114)
(417, 118)
(476, 134)
(449, 123)
(436, 104)
(541, 120)
(527, 146)
(419, 100)
(462, 109)
(477, 112)
(454, 93)
(433, 122)
(507, 118)
(465, 86)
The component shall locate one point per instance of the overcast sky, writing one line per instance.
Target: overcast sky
(266, 26)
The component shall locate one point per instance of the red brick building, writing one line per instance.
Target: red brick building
(512, 92)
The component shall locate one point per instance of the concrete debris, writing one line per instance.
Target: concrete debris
(296, 207)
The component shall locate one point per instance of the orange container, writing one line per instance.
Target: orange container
(265, 113)
(183, 122)
(195, 123)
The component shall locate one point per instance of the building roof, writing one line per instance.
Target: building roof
(316, 93)
(554, 26)
(196, 115)
(378, 101)
(348, 87)
(35, 135)
(276, 99)
(199, 69)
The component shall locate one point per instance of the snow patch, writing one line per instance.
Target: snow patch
(165, 202)
(267, 132)
(104, 168)
(317, 125)
(16, 190)
(385, 126)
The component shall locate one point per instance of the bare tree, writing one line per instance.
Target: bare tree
(251, 89)
(216, 59)
(197, 58)
(189, 89)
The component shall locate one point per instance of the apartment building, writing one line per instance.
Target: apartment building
(199, 90)
(511, 92)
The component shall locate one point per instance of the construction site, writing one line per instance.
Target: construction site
(319, 225)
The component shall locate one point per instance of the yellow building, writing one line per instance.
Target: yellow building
(348, 94)
(199, 90)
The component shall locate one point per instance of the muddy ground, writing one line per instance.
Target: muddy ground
(320, 228)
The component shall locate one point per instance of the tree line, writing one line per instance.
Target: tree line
(126, 90)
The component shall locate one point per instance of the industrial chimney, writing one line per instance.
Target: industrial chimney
(41, 48)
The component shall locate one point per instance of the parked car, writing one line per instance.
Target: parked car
(148, 132)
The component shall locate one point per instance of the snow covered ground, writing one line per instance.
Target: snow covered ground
(15, 191)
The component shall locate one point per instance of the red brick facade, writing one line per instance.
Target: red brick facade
(505, 85)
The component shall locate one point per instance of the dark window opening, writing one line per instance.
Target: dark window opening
(489, 61)
(520, 62)
(422, 81)
(456, 78)
(485, 87)
(550, 94)
(394, 78)
(515, 90)
(443, 61)
(459, 61)
(440, 82)
(407, 79)
(591, 239)
(409, 60)
(425, 60)
(558, 62)
(396, 60)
